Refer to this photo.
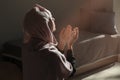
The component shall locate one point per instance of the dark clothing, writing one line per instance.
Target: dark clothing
(46, 63)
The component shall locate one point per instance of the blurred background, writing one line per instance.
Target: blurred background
(12, 14)
(11, 24)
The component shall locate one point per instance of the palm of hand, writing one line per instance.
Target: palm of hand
(68, 36)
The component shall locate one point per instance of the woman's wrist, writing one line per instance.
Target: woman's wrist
(61, 46)
(69, 47)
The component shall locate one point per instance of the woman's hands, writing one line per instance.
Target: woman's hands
(73, 37)
(64, 36)
(67, 37)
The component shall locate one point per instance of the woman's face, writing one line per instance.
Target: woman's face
(48, 16)
(51, 22)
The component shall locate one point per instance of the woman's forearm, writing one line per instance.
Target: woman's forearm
(61, 46)
(70, 57)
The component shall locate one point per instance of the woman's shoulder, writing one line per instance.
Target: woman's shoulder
(52, 50)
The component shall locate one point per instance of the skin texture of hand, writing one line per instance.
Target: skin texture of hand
(67, 37)
(64, 36)
(73, 37)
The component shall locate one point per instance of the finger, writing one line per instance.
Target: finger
(69, 28)
(77, 32)
(76, 28)
(62, 32)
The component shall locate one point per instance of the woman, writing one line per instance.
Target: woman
(42, 60)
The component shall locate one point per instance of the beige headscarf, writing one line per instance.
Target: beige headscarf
(36, 25)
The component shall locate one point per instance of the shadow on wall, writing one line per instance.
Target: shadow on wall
(12, 14)
(117, 13)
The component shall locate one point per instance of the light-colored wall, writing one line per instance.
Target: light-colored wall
(12, 13)
(117, 13)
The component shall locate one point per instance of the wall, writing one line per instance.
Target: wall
(12, 13)
(117, 11)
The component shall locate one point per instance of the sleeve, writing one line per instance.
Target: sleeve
(65, 65)
(71, 59)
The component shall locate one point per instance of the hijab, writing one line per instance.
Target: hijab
(37, 25)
